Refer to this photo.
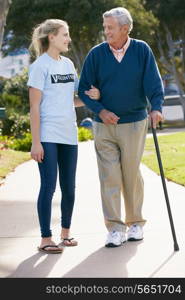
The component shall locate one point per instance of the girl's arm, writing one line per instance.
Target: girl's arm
(37, 152)
(78, 102)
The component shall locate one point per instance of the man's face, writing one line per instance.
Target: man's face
(113, 31)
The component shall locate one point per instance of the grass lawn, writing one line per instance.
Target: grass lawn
(172, 149)
(9, 159)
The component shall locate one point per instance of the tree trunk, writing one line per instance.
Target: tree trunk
(4, 7)
(173, 65)
(76, 59)
(170, 66)
(183, 51)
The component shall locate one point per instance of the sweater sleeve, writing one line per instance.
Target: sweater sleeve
(88, 77)
(153, 85)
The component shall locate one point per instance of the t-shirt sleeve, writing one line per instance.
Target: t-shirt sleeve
(36, 77)
(76, 81)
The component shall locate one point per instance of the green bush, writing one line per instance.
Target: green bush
(15, 124)
(15, 93)
(14, 97)
(19, 144)
(2, 84)
(22, 144)
(4, 142)
(84, 134)
(11, 102)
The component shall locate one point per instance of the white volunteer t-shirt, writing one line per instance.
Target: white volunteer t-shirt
(57, 79)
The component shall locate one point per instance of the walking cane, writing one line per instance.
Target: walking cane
(176, 247)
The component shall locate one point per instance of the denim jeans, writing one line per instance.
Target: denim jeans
(62, 158)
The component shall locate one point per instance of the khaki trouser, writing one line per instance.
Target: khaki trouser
(119, 150)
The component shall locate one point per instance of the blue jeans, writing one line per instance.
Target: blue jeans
(60, 157)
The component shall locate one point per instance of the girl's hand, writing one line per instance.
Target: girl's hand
(37, 152)
(93, 93)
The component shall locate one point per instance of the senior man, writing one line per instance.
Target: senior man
(125, 71)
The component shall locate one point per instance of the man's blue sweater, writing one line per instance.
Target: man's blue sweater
(124, 86)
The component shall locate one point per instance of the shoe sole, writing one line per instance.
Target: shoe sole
(50, 251)
(111, 245)
(134, 240)
(67, 245)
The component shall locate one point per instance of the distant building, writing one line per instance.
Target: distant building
(14, 63)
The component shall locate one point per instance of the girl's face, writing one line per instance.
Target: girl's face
(61, 40)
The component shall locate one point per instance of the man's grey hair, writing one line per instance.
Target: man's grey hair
(122, 15)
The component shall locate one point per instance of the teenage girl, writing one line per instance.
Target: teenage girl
(52, 83)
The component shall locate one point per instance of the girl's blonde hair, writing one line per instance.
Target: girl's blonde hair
(40, 42)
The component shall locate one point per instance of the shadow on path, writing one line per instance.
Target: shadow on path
(162, 265)
(106, 262)
(37, 265)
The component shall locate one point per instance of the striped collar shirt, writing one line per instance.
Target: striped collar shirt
(119, 53)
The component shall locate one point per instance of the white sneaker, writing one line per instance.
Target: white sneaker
(115, 239)
(135, 233)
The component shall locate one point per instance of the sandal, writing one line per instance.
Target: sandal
(68, 242)
(52, 251)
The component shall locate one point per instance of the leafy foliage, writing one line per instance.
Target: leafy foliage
(15, 124)
(171, 12)
(15, 93)
(84, 18)
(171, 37)
(84, 134)
(18, 144)
(22, 144)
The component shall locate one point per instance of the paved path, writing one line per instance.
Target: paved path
(19, 231)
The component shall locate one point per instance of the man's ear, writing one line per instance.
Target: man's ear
(125, 28)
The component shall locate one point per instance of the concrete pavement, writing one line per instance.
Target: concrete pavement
(20, 236)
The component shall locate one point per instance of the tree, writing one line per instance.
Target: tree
(172, 26)
(84, 18)
(171, 48)
(15, 93)
(4, 4)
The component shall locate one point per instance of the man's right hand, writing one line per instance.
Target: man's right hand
(108, 117)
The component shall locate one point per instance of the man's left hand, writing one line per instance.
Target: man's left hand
(155, 117)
